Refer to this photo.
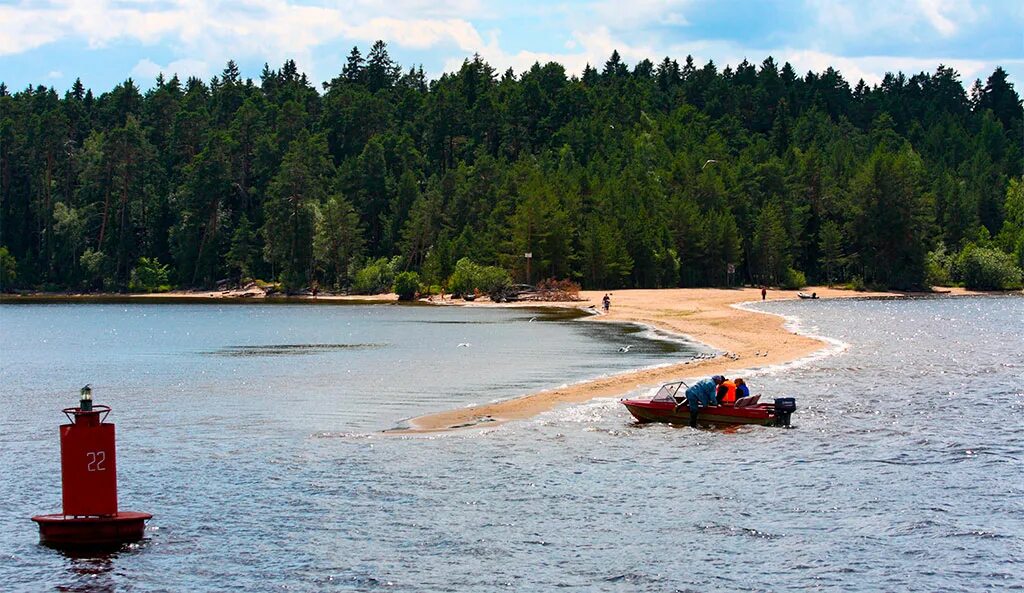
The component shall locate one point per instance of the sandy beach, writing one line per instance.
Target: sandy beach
(707, 315)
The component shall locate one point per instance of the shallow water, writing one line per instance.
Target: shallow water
(904, 472)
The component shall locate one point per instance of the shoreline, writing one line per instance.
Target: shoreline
(716, 318)
(233, 296)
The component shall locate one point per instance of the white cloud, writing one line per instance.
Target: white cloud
(22, 29)
(418, 33)
(856, 20)
(933, 13)
(54, 74)
(202, 35)
(637, 14)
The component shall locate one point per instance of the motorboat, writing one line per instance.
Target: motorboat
(669, 405)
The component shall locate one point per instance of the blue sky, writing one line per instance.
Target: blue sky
(105, 41)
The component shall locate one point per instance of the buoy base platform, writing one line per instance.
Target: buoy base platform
(69, 531)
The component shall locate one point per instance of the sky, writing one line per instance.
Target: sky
(51, 42)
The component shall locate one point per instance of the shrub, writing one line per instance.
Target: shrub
(469, 277)
(857, 283)
(938, 266)
(407, 284)
(793, 279)
(8, 269)
(94, 265)
(149, 276)
(987, 269)
(376, 277)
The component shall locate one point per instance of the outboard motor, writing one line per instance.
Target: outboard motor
(784, 408)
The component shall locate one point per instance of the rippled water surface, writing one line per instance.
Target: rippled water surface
(250, 432)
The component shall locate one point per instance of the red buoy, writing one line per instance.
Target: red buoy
(88, 464)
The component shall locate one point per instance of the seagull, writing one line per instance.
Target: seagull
(532, 319)
(708, 162)
(625, 348)
(463, 345)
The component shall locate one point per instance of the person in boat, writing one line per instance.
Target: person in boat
(741, 388)
(702, 394)
(726, 392)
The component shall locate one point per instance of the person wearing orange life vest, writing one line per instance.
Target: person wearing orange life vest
(726, 393)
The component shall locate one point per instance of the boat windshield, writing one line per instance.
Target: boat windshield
(669, 392)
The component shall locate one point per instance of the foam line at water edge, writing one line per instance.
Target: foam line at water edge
(795, 325)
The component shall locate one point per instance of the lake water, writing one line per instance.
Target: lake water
(250, 432)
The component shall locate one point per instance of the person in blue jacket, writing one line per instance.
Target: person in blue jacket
(741, 388)
(702, 394)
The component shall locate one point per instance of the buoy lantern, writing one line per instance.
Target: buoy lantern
(88, 465)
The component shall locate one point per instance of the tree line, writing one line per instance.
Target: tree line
(654, 175)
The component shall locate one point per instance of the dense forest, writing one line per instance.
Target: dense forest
(654, 175)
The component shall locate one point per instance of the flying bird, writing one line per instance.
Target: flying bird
(625, 348)
(708, 162)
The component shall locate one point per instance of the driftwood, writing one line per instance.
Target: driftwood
(554, 290)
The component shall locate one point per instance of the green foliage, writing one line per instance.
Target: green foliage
(626, 176)
(377, 277)
(470, 277)
(987, 269)
(793, 279)
(939, 267)
(338, 241)
(1011, 237)
(830, 245)
(294, 194)
(407, 284)
(241, 257)
(892, 218)
(771, 246)
(94, 264)
(149, 275)
(606, 261)
(8, 269)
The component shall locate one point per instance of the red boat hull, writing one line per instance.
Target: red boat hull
(663, 411)
(69, 531)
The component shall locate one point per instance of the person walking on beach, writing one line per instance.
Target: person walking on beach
(764, 292)
(606, 302)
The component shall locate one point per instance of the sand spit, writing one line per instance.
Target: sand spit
(706, 315)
